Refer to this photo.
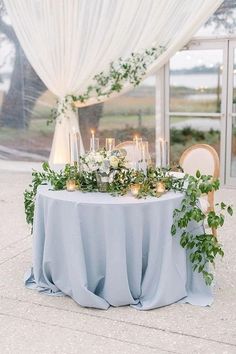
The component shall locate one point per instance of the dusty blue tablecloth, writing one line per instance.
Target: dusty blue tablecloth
(103, 250)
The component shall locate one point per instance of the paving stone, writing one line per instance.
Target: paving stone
(30, 337)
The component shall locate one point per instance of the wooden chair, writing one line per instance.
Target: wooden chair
(128, 146)
(204, 158)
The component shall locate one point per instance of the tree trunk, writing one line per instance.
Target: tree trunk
(12, 114)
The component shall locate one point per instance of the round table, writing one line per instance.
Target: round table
(103, 250)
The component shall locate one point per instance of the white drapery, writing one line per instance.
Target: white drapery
(69, 41)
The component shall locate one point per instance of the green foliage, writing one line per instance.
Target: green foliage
(182, 136)
(202, 248)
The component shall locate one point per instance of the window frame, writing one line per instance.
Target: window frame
(201, 44)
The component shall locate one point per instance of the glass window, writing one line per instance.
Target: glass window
(187, 131)
(195, 99)
(196, 81)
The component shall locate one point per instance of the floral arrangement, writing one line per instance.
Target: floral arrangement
(202, 249)
(103, 162)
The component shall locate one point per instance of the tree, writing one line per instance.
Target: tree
(224, 17)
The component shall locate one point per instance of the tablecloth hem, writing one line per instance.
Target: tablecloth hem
(191, 299)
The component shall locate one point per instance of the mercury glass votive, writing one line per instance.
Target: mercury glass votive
(134, 188)
(71, 185)
(160, 188)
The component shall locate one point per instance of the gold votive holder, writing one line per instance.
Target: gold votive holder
(160, 188)
(71, 185)
(135, 188)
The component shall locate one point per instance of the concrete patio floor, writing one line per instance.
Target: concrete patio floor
(34, 323)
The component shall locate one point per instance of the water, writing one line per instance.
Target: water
(195, 81)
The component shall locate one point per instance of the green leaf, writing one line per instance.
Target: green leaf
(45, 166)
(222, 205)
(173, 230)
(198, 174)
(230, 210)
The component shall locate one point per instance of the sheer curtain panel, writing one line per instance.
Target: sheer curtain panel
(68, 42)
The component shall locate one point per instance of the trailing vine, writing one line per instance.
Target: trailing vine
(129, 70)
(202, 248)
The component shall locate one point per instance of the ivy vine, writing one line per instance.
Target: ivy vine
(203, 248)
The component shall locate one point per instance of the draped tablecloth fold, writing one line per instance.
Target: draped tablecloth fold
(103, 250)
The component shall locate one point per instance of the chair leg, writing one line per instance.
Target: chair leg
(214, 231)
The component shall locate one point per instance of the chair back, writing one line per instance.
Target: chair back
(200, 157)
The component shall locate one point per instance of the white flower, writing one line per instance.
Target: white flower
(93, 167)
(97, 157)
(114, 161)
(105, 166)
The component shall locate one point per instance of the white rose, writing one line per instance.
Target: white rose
(98, 158)
(114, 162)
(92, 166)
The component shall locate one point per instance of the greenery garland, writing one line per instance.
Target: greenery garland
(202, 248)
(129, 70)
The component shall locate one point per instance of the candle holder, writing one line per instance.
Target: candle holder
(160, 188)
(162, 148)
(135, 188)
(71, 185)
(94, 144)
(137, 142)
(74, 147)
(110, 144)
(104, 180)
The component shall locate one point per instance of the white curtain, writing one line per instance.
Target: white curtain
(69, 41)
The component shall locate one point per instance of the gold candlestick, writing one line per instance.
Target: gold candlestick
(160, 188)
(71, 185)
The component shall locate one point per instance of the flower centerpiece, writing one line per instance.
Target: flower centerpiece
(105, 164)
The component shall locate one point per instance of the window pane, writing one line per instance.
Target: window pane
(196, 81)
(187, 131)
